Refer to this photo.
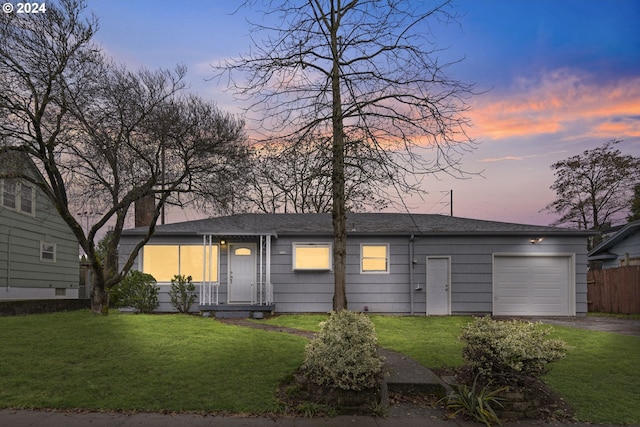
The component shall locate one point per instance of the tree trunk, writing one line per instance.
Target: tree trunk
(337, 182)
(100, 292)
(99, 298)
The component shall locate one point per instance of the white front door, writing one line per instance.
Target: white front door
(438, 286)
(242, 272)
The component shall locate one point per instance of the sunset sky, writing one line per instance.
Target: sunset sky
(556, 77)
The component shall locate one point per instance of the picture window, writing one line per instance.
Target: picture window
(312, 256)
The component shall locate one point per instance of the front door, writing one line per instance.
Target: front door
(438, 285)
(242, 272)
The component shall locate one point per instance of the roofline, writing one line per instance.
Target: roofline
(617, 237)
(603, 256)
(416, 234)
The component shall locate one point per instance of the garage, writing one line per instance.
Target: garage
(533, 285)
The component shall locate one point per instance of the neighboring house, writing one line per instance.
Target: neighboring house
(396, 264)
(38, 251)
(620, 249)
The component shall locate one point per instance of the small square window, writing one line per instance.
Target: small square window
(374, 258)
(47, 251)
(61, 292)
(312, 256)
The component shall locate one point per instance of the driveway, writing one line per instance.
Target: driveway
(598, 323)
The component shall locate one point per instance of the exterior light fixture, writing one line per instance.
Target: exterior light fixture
(535, 240)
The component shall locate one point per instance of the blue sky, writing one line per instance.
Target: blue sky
(558, 77)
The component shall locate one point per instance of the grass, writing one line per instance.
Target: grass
(599, 377)
(141, 362)
(189, 363)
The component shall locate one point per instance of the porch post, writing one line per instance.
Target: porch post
(204, 269)
(261, 290)
(268, 289)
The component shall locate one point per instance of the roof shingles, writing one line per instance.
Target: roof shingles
(357, 223)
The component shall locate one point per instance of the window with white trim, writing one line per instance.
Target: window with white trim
(312, 256)
(374, 258)
(48, 251)
(163, 262)
(18, 196)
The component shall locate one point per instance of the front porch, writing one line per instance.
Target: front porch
(237, 275)
(234, 311)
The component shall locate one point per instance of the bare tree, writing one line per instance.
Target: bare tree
(361, 71)
(103, 135)
(295, 176)
(594, 187)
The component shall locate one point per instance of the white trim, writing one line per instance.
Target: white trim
(387, 258)
(53, 251)
(570, 256)
(295, 245)
(17, 195)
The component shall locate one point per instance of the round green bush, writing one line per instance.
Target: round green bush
(137, 290)
(510, 349)
(344, 354)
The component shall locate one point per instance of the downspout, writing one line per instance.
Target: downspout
(411, 266)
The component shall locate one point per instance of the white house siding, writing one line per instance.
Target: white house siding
(23, 275)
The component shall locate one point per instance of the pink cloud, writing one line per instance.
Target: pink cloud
(557, 102)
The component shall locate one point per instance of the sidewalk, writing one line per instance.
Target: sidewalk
(23, 418)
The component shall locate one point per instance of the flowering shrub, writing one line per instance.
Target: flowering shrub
(344, 354)
(510, 349)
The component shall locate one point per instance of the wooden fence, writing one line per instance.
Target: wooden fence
(614, 290)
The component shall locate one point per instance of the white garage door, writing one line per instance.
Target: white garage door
(533, 286)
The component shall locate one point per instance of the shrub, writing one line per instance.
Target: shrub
(138, 291)
(344, 354)
(182, 293)
(509, 350)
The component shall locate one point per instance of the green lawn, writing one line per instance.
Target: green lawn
(141, 362)
(190, 363)
(600, 377)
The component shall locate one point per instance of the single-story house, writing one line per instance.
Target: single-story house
(38, 250)
(396, 263)
(619, 250)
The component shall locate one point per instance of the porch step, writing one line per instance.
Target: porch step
(232, 314)
(237, 311)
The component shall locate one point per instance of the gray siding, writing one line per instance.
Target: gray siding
(471, 266)
(22, 273)
(395, 292)
(630, 245)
